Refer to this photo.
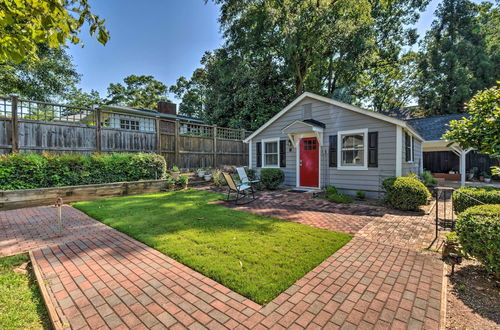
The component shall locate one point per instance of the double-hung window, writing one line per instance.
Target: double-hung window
(271, 152)
(353, 149)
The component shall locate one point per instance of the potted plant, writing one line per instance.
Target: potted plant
(201, 172)
(208, 176)
(487, 178)
(183, 180)
(481, 177)
(170, 183)
(175, 173)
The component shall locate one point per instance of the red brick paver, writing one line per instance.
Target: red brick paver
(98, 277)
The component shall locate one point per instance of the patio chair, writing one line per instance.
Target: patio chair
(241, 190)
(244, 177)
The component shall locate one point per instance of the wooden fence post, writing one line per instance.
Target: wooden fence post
(98, 147)
(15, 125)
(158, 136)
(214, 132)
(177, 143)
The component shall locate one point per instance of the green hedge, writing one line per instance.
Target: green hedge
(28, 171)
(405, 193)
(272, 178)
(478, 230)
(487, 195)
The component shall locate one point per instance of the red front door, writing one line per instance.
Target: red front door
(309, 162)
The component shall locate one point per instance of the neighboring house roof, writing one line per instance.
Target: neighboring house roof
(148, 113)
(350, 107)
(433, 128)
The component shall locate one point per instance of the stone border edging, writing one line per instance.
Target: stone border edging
(51, 310)
(444, 297)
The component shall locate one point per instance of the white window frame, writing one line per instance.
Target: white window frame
(263, 149)
(128, 124)
(363, 131)
(412, 146)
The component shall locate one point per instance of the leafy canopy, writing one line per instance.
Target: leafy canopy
(459, 56)
(481, 130)
(50, 78)
(26, 24)
(138, 91)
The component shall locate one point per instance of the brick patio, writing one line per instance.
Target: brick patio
(98, 277)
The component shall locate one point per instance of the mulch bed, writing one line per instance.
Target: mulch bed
(473, 298)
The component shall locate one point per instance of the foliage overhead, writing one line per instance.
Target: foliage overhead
(481, 130)
(138, 91)
(192, 93)
(24, 25)
(459, 56)
(53, 75)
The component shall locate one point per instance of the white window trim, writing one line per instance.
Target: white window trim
(263, 148)
(363, 131)
(412, 146)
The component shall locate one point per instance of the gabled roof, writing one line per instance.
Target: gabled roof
(432, 128)
(350, 107)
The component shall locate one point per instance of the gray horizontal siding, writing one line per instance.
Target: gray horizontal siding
(337, 119)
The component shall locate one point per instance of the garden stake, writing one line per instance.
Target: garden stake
(58, 204)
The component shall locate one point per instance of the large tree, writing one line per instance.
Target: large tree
(26, 24)
(137, 91)
(192, 93)
(456, 61)
(50, 78)
(77, 97)
(275, 50)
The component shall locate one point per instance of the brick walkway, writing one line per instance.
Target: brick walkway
(100, 278)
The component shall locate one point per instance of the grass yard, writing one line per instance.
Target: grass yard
(21, 304)
(256, 256)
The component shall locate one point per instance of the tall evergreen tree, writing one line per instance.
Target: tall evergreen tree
(455, 62)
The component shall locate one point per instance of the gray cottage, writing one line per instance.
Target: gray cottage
(318, 141)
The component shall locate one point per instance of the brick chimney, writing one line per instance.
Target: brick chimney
(167, 107)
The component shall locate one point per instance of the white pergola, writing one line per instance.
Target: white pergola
(442, 145)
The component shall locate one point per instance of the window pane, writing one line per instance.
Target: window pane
(271, 147)
(271, 160)
(352, 141)
(353, 157)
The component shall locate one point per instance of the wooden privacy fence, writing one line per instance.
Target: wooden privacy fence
(33, 126)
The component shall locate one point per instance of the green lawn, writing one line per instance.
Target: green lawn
(21, 305)
(256, 256)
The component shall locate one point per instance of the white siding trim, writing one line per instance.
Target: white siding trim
(250, 154)
(399, 150)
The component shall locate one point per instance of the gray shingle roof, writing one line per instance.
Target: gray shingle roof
(432, 128)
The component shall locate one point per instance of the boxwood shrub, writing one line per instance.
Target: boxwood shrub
(478, 230)
(405, 193)
(462, 197)
(28, 171)
(272, 178)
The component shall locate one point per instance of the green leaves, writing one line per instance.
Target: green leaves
(26, 24)
(139, 91)
(481, 130)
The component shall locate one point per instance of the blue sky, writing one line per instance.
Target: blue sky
(165, 39)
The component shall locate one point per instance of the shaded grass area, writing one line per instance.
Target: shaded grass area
(21, 304)
(256, 256)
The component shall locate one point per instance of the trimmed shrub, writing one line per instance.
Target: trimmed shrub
(272, 178)
(28, 171)
(478, 230)
(405, 193)
(462, 201)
